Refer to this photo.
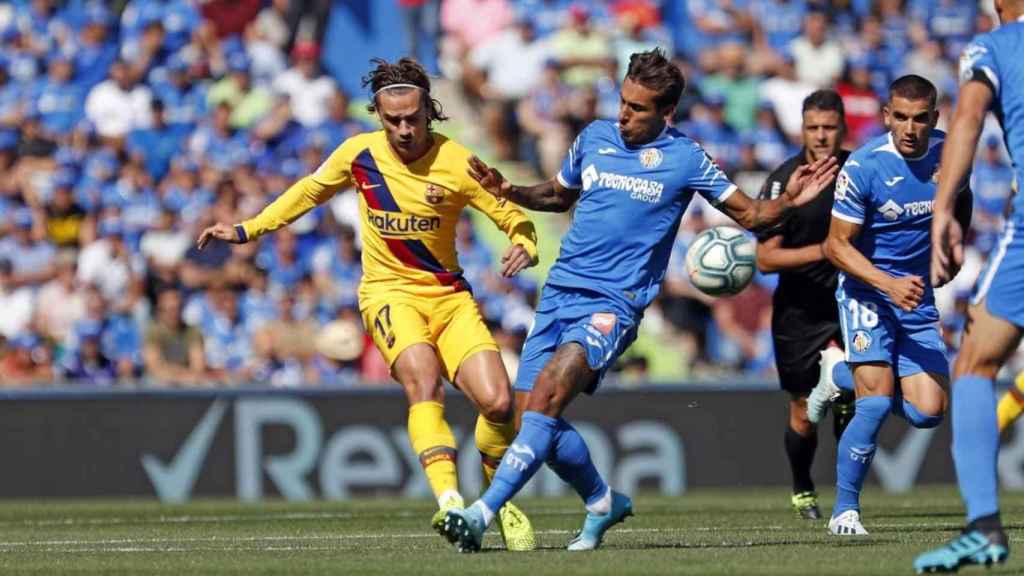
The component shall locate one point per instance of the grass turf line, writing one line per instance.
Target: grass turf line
(728, 531)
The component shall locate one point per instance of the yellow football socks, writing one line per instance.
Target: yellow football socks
(492, 439)
(1011, 404)
(434, 443)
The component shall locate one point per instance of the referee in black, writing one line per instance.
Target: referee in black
(805, 318)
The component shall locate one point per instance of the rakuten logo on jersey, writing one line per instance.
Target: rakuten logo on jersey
(639, 188)
(400, 224)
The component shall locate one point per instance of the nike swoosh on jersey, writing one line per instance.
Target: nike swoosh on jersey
(896, 180)
(606, 151)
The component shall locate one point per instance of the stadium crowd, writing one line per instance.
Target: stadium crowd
(127, 127)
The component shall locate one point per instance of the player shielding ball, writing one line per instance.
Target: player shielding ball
(414, 301)
(879, 239)
(804, 316)
(992, 78)
(630, 181)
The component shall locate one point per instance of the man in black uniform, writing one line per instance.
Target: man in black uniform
(805, 318)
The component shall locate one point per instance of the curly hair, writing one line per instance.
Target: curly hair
(405, 71)
(654, 71)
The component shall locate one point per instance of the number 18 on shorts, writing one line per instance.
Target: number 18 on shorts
(873, 331)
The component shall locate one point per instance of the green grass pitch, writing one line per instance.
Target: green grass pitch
(707, 532)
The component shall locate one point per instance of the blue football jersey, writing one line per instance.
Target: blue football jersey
(891, 197)
(995, 58)
(631, 201)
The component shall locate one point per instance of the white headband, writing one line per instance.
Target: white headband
(390, 86)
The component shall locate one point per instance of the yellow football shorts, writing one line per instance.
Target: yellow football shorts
(451, 324)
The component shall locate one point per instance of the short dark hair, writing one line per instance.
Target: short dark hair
(826, 101)
(405, 71)
(654, 71)
(913, 87)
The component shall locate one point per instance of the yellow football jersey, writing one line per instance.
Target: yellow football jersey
(409, 212)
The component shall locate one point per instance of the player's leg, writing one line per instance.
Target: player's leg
(401, 333)
(875, 383)
(987, 343)
(835, 382)
(1011, 404)
(921, 399)
(801, 441)
(465, 344)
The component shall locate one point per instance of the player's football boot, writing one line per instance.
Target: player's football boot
(452, 501)
(970, 547)
(847, 524)
(826, 390)
(595, 525)
(805, 504)
(465, 527)
(515, 528)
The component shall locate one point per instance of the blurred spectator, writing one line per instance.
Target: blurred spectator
(272, 23)
(339, 346)
(782, 91)
(718, 21)
(707, 125)
(17, 303)
(422, 23)
(60, 302)
(467, 24)
(742, 322)
(289, 342)
(309, 13)
(581, 49)
(500, 72)
(541, 115)
(57, 98)
(227, 344)
(927, 60)
(819, 60)
(862, 104)
(109, 264)
(67, 223)
(26, 361)
(339, 124)
(33, 259)
(306, 88)
(768, 144)
(337, 269)
(740, 90)
(247, 102)
(992, 184)
(155, 146)
(173, 352)
(95, 51)
(118, 105)
(777, 22)
(88, 364)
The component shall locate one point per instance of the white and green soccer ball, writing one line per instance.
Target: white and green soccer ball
(721, 261)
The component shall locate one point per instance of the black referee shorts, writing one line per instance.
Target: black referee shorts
(799, 336)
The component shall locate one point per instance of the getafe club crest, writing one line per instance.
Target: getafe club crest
(434, 194)
(650, 157)
(861, 341)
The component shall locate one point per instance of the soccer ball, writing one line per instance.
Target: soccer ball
(720, 261)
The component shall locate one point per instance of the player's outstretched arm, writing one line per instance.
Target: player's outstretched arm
(957, 159)
(548, 196)
(905, 291)
(804, 185)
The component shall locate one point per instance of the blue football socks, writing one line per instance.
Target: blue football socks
(857, 449)
(976, 444)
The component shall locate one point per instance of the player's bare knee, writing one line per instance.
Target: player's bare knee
(497, 407)
(798, 417)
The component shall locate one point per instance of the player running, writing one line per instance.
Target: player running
(420, 310)
(992, 77)
(879, 240)
(804, 314)
(633, 180)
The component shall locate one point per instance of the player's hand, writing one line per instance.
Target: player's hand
(906, 291)
(515, 260)
(947, 248)
(809, 180)
(218, 231)
(489, 178)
